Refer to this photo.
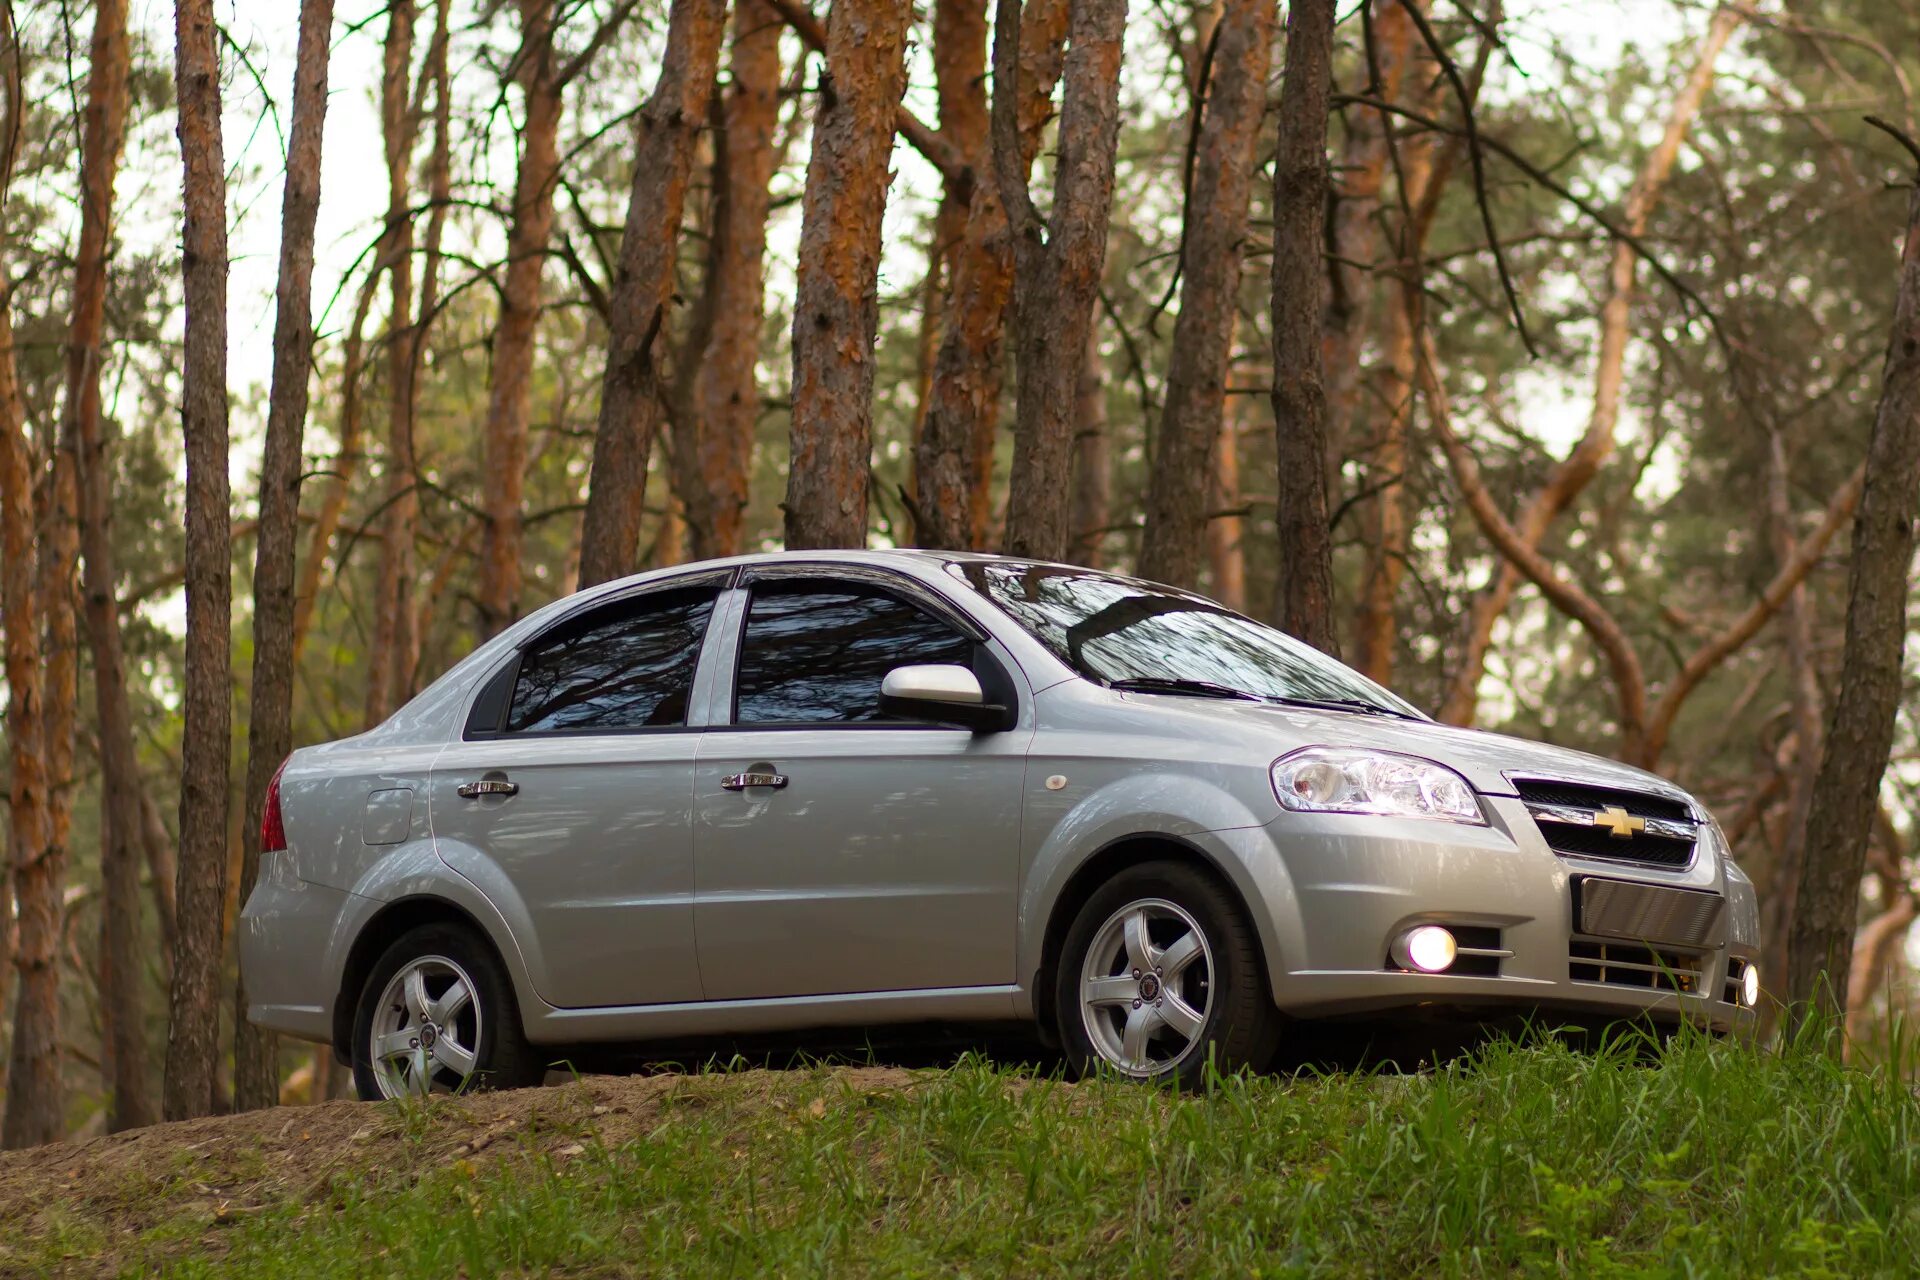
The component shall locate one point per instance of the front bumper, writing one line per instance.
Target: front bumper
(1358, 883)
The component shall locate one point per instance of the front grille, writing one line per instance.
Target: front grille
(1578, 795)
(1620, 964)
(1579, 820)
(1592, 842)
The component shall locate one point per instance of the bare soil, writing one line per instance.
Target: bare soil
(199, 1177)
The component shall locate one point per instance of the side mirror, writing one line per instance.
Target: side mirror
(944, 694)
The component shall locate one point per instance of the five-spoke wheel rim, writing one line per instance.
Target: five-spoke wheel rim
(426, 1030)
(1146, 987)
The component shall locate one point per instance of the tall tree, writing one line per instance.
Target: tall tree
(538, 69)
(953, 456)
(1227, 534)
(1231, 104)
(643, 288)
(28, 802)
(1860, 733)
(544, 77)
(836, 302)
(35, 1093)
(121, 953)
(192, 1042)
(390, 657)
(1303, 601)
(715, 461)
(1059, 258)
(1092, 460)
(256, 1075)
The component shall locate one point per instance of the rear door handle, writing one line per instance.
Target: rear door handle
(488, 787)
(741, 781)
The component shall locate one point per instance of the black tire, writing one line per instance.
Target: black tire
(502, 1057)
(1240, 1027)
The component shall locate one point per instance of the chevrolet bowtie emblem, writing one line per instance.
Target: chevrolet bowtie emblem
(1619, 823)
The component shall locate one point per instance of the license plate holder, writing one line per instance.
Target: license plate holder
(1650, 913)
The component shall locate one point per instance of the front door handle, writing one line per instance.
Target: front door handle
(488, 787)
(741, 781)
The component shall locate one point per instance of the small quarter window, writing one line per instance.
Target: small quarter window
(628, 665)
(816, 652)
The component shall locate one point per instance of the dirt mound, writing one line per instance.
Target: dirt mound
(216, 1171)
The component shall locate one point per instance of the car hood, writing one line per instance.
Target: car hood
(1487, 760)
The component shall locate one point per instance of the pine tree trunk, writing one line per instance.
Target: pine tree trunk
(1092, 461)
(1304, 596)
(1059, 261)
(193, 1050)
(715, 465)
(1181, 481)
(256, 1069)
(346, 462)
(1376, 632)
(124, 1050)
(1355, 223)
(643, 289)
(836, 302)
(390, 655)
(959, 72)
(1860, 733)
(510, 397)
(1226, 534)
(953, 460)
(28, 799)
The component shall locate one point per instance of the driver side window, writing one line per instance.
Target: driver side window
(815, 652)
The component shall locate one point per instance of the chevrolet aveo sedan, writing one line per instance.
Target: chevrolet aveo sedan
(850, 788)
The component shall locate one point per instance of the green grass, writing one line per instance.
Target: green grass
(1714, 1159)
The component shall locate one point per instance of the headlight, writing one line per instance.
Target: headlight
(1340, 780)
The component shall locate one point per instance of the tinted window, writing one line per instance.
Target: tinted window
(627, 666)
(815, 653)
(1110, 628)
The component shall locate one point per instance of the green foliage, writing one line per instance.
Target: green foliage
(1702, 1159)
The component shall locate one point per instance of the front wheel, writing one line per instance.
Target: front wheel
(1159, 975)
(437, 1015)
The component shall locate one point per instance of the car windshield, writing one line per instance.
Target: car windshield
(1119, 631)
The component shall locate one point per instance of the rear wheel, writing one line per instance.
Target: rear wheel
(437, 1015)
(1159, 975)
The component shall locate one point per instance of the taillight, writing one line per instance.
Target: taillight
(273, 830)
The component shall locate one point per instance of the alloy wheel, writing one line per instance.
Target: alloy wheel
(1146, 987)
(425, 1035)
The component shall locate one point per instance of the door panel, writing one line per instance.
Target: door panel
(571, 802)
(888, 861)
(886, 858)
(597, 845)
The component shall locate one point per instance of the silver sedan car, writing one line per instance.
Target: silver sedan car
(809, 790)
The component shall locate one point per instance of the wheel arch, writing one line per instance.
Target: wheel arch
(376, 935)
(1102, 865)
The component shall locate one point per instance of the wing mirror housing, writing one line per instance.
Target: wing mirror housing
(944, 694)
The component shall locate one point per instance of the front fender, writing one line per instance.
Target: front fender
(1193, 812)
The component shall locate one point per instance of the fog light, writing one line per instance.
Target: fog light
(1750, 986)
(1429, 948)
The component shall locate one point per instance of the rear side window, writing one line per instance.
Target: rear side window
(816, 652)
(626, 666)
